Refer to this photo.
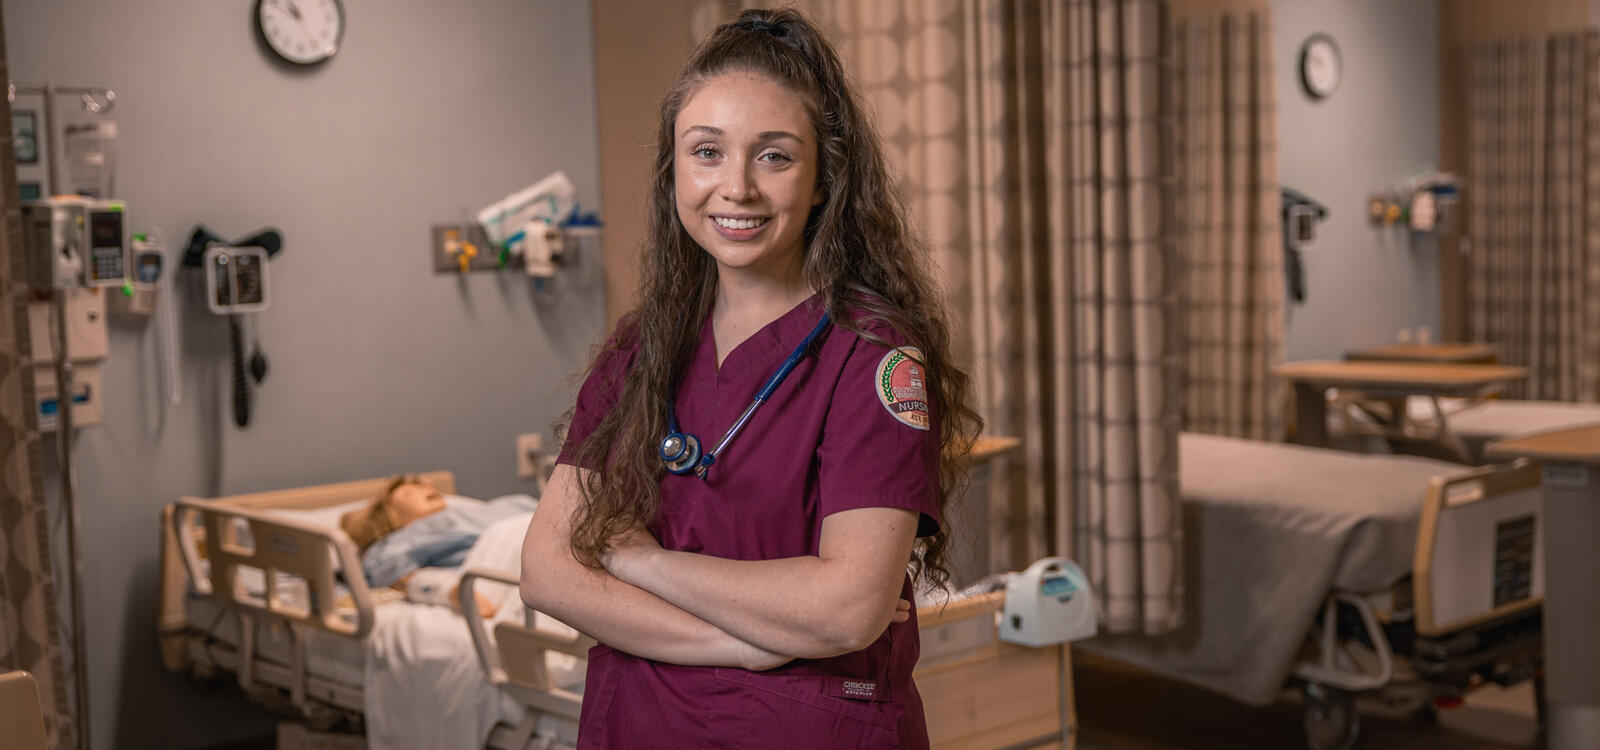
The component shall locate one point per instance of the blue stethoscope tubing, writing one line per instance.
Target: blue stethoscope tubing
(681, 451)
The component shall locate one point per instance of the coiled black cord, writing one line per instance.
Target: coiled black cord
(241, 386)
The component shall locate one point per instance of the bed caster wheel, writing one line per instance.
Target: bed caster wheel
(1426, 713)
(1331, 721)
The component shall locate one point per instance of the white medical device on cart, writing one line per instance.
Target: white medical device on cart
(1048, 603)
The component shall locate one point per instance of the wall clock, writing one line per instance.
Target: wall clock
(1320, 66)
(302, 32)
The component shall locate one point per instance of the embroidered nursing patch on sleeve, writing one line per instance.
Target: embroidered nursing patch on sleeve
(901, 386)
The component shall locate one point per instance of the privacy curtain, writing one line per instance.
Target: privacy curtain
(1230, 241)
(1534, 199)
(1029, 139)
(29, 615)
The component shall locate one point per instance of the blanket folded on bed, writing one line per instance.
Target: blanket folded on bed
(1270, 530)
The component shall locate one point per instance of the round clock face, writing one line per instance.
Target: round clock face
(304, 32)
(1320, 66)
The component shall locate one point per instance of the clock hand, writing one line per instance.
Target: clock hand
(294, 12)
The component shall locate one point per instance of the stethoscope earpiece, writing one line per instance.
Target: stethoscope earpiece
(681, 452)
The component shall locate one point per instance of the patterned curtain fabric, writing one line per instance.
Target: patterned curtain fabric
(1029, 138)
(1534, 198)
(29, 615)
(1229, 226)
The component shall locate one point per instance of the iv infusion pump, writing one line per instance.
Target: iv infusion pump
(75, 242)
(73, 247)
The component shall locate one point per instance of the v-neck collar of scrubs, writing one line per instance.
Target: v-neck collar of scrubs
(758, 355)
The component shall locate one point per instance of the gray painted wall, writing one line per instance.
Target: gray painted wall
(378, 366)
(1363, 283)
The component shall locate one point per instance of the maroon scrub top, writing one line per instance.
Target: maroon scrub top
(849, 428)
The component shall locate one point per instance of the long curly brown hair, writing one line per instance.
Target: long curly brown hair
(860, 255)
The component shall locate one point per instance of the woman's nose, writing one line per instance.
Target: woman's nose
(738, 184)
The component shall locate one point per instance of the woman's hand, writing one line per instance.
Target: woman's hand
(628, 553)
(902, 611)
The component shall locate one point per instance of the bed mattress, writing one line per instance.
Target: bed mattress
(1270, 530)
(1497, 419)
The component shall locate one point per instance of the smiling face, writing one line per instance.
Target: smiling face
(745, 174)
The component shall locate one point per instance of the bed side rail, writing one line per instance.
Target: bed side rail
(514, 659)
(239, 539)
(1479, 548)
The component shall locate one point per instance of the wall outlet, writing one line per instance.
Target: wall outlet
(530, 452)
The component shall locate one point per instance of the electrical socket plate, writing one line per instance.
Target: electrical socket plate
(529, 447)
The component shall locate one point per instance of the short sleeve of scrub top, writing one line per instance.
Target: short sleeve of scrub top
(880, 443)
(598, 394)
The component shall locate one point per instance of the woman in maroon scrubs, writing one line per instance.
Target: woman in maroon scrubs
(766, 441)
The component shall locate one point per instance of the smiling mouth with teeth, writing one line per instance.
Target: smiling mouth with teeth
(738, 223)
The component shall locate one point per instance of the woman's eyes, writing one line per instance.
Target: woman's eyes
(710, 152)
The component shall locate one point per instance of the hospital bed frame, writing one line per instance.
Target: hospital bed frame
(1432, 638)
(978, 692)
(247, 537)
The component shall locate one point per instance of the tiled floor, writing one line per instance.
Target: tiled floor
(1120, 708)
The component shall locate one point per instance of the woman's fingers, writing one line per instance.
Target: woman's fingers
(902, 611)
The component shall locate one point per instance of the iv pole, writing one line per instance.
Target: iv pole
(63, 366)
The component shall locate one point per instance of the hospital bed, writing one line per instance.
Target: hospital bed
(1480, 422)
(1454, 429)
(1344, 574)
(252, 587)
(255, 586)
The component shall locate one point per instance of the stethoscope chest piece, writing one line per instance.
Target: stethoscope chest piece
(681, 452)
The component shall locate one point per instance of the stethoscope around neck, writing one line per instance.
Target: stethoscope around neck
(681, 450)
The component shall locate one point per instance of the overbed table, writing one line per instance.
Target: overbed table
(1461, 354)
(1571, 459)
(1393, 382)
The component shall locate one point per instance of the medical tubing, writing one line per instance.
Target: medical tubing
(241, 386)
(789, 364)
(727, 437)
(168, 302)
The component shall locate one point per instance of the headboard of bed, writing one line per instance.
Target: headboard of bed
(323, 495)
